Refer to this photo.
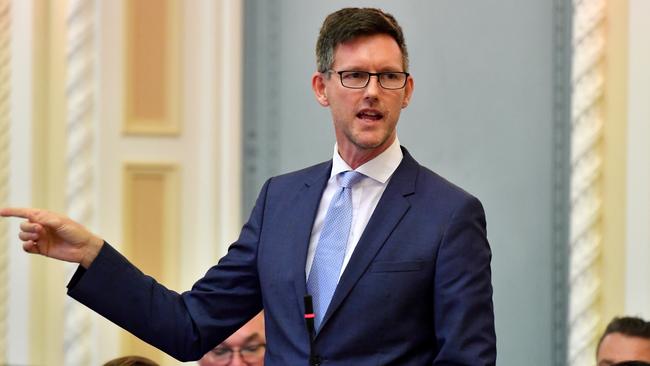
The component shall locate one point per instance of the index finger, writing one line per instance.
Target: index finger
(23, 212)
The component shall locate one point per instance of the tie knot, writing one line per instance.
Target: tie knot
(349, 178)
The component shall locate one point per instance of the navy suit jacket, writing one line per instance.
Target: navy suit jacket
(416, 291)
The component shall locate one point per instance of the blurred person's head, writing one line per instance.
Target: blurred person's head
(131, 361)
(245, 347)
(626, 341)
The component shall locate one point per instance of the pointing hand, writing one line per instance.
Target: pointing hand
(55, 236)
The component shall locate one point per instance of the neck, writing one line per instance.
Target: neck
(356, 156)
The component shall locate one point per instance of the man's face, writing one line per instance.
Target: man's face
(245, 347)
(364, 119)
(617, 347)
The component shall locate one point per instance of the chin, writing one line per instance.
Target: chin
(368, 144)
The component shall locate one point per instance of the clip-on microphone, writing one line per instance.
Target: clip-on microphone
(309, 323)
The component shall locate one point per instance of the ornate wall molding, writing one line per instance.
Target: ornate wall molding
(77, 337)
(5, 61)
(587, 80)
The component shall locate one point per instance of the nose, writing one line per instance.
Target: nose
(237, 360)
(372, 89)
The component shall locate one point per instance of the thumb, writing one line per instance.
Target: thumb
(45, 218)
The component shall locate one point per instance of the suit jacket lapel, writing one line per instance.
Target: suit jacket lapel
(391, 208)
(300, 219)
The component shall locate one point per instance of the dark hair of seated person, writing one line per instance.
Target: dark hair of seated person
(632, 363)
(131, 361)
(630, 326)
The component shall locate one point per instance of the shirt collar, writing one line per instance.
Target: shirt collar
(380, 168)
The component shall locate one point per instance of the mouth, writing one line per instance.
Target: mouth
(370, 115)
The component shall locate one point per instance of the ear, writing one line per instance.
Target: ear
(320, 91)
(408, 92)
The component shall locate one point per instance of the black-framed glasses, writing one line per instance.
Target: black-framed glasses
(250, 354)
(359, 79)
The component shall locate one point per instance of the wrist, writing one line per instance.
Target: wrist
(93, 247)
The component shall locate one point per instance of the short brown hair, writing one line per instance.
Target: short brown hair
(629, 326)
(349, 23)
(131, 361)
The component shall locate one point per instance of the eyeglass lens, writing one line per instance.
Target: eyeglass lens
(360, 79)
(249, 354)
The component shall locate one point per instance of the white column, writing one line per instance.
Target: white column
(213, 68)
(230, 81)
(5, 60)
(586, 166)
(637, 298)
(78, 335)
(20, 176)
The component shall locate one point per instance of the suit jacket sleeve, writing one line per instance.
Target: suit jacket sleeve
(464, 314)
(183, 325)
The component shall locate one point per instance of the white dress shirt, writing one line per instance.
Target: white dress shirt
(365, 196)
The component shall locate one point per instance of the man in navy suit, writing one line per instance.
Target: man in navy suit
(409, 279)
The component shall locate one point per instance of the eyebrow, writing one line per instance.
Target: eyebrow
(252, 337)
(387, 69)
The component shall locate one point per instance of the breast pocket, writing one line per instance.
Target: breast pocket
(403, 266)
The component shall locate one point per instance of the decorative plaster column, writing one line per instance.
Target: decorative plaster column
(4, 170)
(585, 238)
(78, 337)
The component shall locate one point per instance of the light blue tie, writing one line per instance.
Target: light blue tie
(330, 251)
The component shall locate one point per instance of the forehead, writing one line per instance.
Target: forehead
(379, 50)
(617, 347)
(253, 330)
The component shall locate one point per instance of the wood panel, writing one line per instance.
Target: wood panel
(151, 220)
(151, 67)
